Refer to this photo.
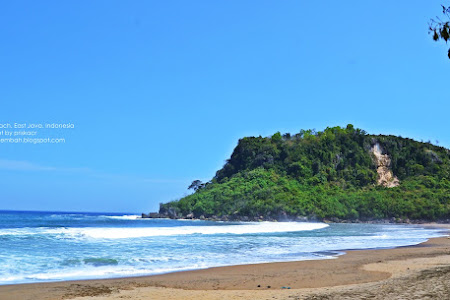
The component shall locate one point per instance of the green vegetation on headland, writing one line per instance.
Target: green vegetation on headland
(337, 174)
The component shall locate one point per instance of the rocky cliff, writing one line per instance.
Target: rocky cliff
(383, 165)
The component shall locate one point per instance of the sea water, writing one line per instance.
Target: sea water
(55, 246)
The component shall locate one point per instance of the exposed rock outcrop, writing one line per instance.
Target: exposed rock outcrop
(385, 176)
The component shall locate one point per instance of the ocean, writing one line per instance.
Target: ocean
(57, 246)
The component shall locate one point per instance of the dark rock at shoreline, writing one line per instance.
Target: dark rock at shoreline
(282, 216)
(171, 213)
(152, 215)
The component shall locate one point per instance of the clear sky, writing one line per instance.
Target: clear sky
(161, 91)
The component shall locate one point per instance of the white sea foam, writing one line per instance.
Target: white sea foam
(124, 217)
(34, 254)
(19, 231)
(89, 273)
(245, 228)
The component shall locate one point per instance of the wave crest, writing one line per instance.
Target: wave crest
(247, 228)
(124, 217)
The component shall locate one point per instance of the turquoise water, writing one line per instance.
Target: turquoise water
(55, 246)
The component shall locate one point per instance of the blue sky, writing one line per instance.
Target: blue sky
(161, 91)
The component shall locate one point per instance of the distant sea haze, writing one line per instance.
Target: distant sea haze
(49, 246)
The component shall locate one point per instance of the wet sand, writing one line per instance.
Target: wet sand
(417, 272)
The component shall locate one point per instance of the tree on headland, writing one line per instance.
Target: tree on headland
(440, 28)
(196, 184)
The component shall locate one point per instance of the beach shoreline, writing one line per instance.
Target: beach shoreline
(357, 271)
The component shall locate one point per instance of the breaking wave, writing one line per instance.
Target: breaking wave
(247, 228)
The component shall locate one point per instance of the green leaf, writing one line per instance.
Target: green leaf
(444, 34)
(435, 36)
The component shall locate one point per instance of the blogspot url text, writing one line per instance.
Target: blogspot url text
(32, 141)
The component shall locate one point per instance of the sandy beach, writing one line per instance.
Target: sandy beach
(417, 272)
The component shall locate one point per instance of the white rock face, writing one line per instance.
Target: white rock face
(383, 162)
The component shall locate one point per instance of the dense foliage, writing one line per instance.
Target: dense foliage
(329, 174)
